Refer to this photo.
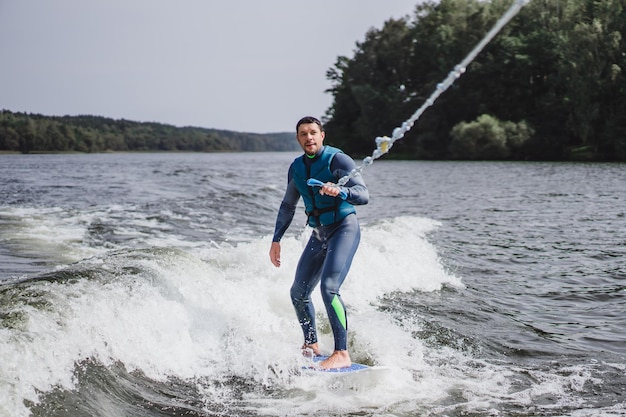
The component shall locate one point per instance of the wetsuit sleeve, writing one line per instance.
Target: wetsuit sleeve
(287, 209)
(340, 166)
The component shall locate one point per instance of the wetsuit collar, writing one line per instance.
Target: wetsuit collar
(312, 157)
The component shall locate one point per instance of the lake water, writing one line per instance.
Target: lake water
(140, 284)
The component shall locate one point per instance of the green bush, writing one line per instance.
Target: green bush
(488, 138)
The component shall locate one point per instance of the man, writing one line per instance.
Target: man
(328, 254)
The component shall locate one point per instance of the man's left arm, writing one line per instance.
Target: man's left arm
(357, 192)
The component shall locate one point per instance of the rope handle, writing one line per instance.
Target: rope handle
(312, 182)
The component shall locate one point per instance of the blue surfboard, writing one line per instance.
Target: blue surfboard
(355, 367)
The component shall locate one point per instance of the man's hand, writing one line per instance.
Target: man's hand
(275, 254)
(330, 189)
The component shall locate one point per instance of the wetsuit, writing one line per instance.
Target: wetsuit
(328, 254)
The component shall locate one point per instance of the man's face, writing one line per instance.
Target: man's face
(310, 137)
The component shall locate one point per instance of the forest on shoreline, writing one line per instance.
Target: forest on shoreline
(550, 86)
(35, 133)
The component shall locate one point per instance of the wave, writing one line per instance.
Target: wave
(211, 331)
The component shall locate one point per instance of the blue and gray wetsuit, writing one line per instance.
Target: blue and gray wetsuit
(333, 243)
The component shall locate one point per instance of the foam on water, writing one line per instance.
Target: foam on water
(168, 312)
(49, 231)
(215, 312)
(57, 236)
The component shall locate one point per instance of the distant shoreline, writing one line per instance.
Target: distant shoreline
(35, 133)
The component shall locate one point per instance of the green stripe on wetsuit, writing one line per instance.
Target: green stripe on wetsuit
(339, 310)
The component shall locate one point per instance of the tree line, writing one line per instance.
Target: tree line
(550, 86)
(29, 133)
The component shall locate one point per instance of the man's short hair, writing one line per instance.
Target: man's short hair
(308, 120)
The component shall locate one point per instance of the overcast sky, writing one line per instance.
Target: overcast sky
(244, 65)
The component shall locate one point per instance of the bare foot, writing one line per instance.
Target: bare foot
(339, 359)
(311, 351)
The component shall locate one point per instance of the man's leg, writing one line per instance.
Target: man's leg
(342, 246)
(307, 277)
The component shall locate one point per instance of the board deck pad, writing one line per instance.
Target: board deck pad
(355, 367)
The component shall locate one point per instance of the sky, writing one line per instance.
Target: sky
(242, 65)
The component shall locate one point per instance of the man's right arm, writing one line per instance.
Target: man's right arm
(283, 220)
(286, 211)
